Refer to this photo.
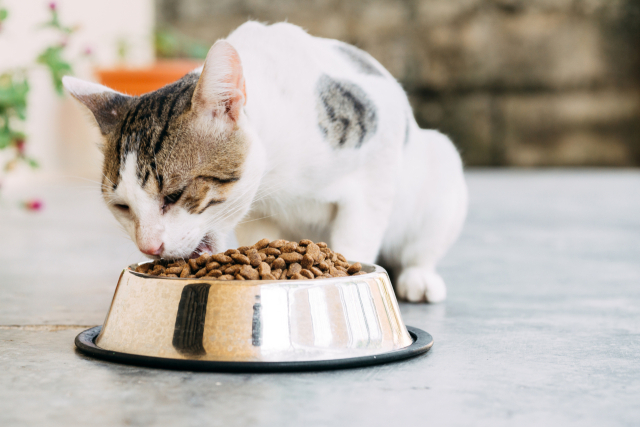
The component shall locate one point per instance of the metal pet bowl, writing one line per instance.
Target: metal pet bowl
(254, 325)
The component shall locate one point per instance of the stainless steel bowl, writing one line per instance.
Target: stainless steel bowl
(254, 321)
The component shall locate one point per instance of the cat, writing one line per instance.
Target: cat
(284, 135)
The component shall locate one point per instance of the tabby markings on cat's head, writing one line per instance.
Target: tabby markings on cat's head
(175, 159)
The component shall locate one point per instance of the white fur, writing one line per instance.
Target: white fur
(406, 204)
(403, 203)
(145, 222)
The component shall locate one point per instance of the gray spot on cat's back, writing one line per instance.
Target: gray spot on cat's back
(407, 130)
(359, 59)
(346, 116)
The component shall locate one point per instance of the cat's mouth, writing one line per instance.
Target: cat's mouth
(202, 248)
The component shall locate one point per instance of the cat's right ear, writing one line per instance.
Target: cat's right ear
(221, 90)
(107, 105)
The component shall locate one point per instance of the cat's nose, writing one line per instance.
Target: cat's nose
(153, 251)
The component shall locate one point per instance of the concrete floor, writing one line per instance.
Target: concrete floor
(542, 324)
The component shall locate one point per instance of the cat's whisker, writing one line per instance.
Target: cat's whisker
(227, 213)
(87, 186)
(231, 208)
(107, 178)
(224, 216)
(131, 254)
(98, 184)
(256, 219)
(123, 231)
(82, 178)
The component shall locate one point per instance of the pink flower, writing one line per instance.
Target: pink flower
(52, 5)
(34, 205)
(20, 146)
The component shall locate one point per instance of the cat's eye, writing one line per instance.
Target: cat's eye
(172, 198)
(123, 208)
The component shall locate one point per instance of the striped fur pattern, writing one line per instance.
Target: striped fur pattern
(174, 159)
(156, 129)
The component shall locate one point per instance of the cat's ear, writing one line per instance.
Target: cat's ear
(107, 105)
(221, 88)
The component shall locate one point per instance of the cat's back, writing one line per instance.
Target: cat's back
(287, 45)
(287, 49)
(289, 73)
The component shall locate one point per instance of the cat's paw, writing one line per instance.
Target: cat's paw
(417, 284)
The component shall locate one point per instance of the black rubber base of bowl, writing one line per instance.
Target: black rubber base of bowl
(422, 342)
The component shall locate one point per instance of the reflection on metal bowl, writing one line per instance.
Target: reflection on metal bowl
(254, 321)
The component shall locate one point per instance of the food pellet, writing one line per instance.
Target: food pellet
(278, 243)
(275, 260)
(240, 259)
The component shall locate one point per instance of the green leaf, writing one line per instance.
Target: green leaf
(5, 138)
(57, 65)
(16, 135)
(198, 51)
(54, 22)
(32, 162)
(4, 13)
(13, 95)
(171, 44)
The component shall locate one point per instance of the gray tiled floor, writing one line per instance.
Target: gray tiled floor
(542, 324)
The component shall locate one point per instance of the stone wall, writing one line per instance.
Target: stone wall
(513, 82)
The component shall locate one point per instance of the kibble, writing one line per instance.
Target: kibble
(278, 243)
(222, 258)
(294, 269)
(214, 273)
(203, 259)
(186, 271)
(291, 257)
(354, 268)
(276, 260)
(278, 263)
(240, 259)
(212, 265)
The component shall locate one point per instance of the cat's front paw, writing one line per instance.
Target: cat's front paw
(418, 284)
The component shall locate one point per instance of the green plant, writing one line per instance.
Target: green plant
(172, 44)
(14, 89)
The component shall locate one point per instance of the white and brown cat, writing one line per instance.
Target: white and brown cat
(282, 135)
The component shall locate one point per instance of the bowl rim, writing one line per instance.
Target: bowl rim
(422, 342)
(377, 269)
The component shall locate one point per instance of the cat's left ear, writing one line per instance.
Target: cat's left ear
(107, 105)
(221, 89)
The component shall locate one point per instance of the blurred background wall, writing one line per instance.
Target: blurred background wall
(518, 83)
(514, 83)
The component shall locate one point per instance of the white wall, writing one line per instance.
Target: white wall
(58, 133)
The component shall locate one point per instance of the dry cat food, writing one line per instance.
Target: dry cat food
(276, 260)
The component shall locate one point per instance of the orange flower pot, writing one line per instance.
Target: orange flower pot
(139, 80)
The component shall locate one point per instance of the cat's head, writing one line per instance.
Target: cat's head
(179, 171)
